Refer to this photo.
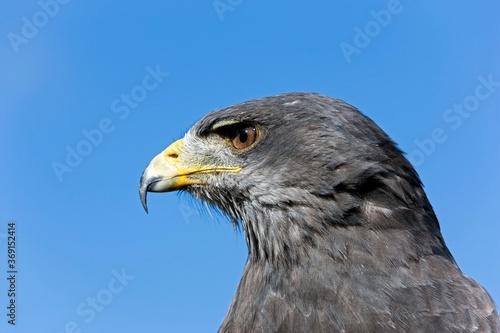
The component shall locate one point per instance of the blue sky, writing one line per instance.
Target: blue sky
(90, 92)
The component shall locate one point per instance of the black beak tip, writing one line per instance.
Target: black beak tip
(143, 192)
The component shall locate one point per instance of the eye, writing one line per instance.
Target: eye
(239, 135)
(244, 137)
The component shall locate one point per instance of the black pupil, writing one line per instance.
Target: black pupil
(243, 135)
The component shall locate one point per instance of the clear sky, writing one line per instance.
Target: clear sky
(91, 91)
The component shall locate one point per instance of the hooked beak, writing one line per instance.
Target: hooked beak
(166, 172)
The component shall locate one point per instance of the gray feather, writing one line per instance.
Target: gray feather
(341, 235)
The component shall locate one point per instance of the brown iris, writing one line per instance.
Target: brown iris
(244, 137)
(240, 135)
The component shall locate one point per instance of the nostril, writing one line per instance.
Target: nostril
(173, 155)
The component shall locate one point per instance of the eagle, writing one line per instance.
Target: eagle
(341, 236)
